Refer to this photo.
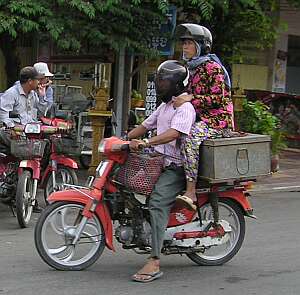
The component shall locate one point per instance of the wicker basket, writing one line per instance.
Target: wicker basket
(141, 172)
(27, 149)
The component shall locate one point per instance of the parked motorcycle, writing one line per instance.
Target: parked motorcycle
(21, 169)
(72, 232)
(61, 167)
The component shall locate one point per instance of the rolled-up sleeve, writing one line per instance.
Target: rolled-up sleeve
(151, 122)
(7, 101)
(184, 118)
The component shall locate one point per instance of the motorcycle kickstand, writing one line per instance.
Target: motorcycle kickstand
(13, 211)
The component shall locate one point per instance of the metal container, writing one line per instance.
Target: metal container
(235, 158)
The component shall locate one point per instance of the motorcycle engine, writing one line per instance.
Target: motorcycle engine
(124, 234)
(139, 235)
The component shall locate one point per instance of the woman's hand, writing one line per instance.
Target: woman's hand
(180, 100)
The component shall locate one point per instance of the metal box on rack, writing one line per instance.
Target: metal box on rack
(235, 158)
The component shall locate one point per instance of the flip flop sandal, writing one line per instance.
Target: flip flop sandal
(186, 202)
(151, 277)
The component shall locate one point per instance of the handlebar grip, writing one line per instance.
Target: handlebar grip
(125, 147)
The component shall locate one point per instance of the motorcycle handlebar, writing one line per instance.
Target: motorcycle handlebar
(125, 147)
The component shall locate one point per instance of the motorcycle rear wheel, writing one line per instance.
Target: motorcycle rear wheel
(53, 234)
(24, 197)
(232, 213)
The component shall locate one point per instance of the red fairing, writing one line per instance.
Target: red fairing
(179, 216)
(64, 161)
(101, 209)
(119, 157)
(33, 165)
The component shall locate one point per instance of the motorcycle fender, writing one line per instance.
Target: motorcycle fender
(60, 160)
(101, 210)
(64, 161)
(236, 195)
(34, 166)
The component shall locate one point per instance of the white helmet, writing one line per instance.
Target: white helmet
(42, 68)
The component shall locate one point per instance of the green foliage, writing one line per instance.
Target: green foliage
(76, 25)
(256, 118)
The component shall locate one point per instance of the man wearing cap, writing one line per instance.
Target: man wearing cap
(44, 91)
(21, 99)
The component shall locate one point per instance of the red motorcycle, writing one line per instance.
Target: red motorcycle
(61, 167)
(72, 232)
(21, 169)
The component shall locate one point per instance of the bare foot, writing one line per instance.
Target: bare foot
(151, 267)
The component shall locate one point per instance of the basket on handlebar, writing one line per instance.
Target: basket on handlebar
(65, 145)
(27, 149)
(140, 172)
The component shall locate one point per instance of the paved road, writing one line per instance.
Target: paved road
(267, 264)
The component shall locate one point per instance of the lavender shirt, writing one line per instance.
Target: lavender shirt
(167, 117)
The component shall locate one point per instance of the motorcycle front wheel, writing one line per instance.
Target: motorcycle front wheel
(54, 232)
(218, 255)
(24, 198)
(63, 175)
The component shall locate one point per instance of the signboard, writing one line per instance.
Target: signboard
(150, 100)
(279, 74)
(162, 43)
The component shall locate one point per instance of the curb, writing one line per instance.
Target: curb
(276, 188)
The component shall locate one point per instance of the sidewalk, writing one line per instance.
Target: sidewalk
(287, 179)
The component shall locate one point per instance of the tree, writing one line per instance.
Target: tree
(76, 25)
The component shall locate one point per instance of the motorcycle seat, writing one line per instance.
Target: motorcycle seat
(62, 115)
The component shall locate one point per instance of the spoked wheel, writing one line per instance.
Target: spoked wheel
(62, 175)
(218, 255)
(24, 198)
(54, 233)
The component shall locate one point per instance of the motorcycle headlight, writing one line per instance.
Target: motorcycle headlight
(101, 146)
(33, 128)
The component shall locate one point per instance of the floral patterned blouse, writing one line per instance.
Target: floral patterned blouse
(211, 97)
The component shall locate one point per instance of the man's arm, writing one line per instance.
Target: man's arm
(149, 124)
(6, 105)
(137, 132)
(165, 137)
(40, 104)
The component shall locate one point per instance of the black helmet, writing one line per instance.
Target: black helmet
(195, 32)
(171, 80)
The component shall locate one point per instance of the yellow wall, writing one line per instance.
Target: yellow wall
(2, 73)
(249, 77)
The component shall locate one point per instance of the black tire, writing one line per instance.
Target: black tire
(24, 206)
(199, 259)
(40, 246)
(85, 161)
(73, 177)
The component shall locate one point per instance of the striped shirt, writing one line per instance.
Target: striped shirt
(26, 106)
(167, 117)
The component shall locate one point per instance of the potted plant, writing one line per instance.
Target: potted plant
(256, 118)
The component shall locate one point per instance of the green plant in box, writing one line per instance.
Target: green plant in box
(256, 118)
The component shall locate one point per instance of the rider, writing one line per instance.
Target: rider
(171, 123)
(20, 99)
(45, 91)
(209, 87)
